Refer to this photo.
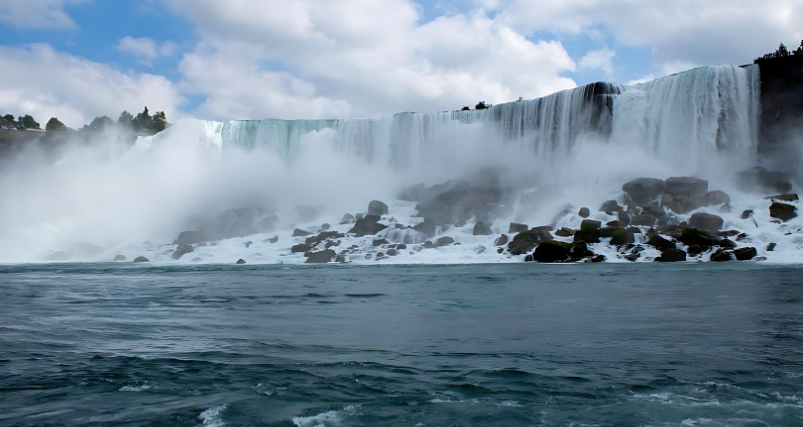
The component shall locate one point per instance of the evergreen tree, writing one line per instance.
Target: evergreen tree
(126, 119)
(482, 105)
(99, 123)
(143, 122)
(55, 126)
(159, 122)
(28, 122)
(799, 50)
(782, 51)
(7, 125)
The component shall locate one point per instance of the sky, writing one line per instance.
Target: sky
(302, 59)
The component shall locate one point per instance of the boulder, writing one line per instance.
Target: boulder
(347, 219)
(342, 259)
(716, 197)
(119, 258)
(654, 210)
(501, 240)
(369, 225)
(783, 211)
(584, 212)
(552, 251)
(721, 255)
(643, 190)
(301, 247)
(579, 250)
(590, 223)
(189, 238)
(622, 237)
(517, 228)
(300, 233)
(380, 242)
(588, 235)
(181, 251)
(727, 244)
(481, 228)
(565, 232)
(747, 214)
(444, 241)
(321, 257)
(141, 259)
(375, 207)
(686, 186)
(695, 250)
(427, 227)
(693, 236)
(331, 244)
(646, 220)
(248, 244)
(726, 208)
(761, 180)
(240, 261)
(660, 243)
(274, 239)
(771, 247)
(784, 197)
(392, 252)
(745, 254)
(325, 226)
(610, 206)
(623, 217)
(707, 222)
(672, 255)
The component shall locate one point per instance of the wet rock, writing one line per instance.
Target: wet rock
(598, 258)
(646, 220)
(189, 238)
(312, 240)
(707, 222)
(273, 239)
(141, 259)
(481, 228)
(588, 235)
(716, 197)
(181, 251)
(529, 258)
(500, 250)
(783, 211)
(728, 244)
(747, 214)
(444, 241)
(695, 250)
(380, 242)
(784, 197)
(686, 186)
(579, 250)
(369, 225)
(517, 228)
(693, 236)
(331, 244)
(347, 219)
(565, 232)
(745, 254)
(119, 258)
(610, 206)
(624, 217)
(590, 223)
(501, 240)
(401, 246)
(643, 190)
(392, 252)
(615, 224)
(240, 261)
(656, 211)
(301, 247)
(325, 226)
(248, 244)
(584, 212)
(300, 233)
(660, 243)
(761, 180)
(672, 255)
(552, 251)
(608, 231)
(771, 247)
(427, 227)
(342, 259)
(321, 257)
(721, 255)
(375, 207)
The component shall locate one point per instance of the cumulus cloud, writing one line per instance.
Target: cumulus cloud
(37, 14)
(599, 59)
(45, 83)
(680, 33)
(359, 57)
(145, 48)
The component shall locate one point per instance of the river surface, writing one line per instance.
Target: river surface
(461, 345)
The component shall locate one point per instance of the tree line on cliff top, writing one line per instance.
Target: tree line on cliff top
(142, 123)
(783, 52)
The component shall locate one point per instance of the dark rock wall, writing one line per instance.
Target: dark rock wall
(781, 122)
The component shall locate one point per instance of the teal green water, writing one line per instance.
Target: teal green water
(523, 344)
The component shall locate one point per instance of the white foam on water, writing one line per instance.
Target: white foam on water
(326, 419)
(212, 417)
(135, 389)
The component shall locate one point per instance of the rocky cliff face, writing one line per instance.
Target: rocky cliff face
(781, 130)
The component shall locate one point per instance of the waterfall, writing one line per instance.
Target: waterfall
(708, 111)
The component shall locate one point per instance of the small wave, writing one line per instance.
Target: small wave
(212, 416)
(325, 419)
(135, 389)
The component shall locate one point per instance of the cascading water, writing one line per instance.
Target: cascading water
(688, 117)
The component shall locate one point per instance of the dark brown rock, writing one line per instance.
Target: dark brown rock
(643, 190)
(375, 207)
(610, 206)
(672, 255)
(660, 243)
(747, 214)
(745, 254)
(784, 197)
(181, 251)
(552, 251)
(301, 247)
(240, 261)
(590, 223)
(721, 255)
(783, 211)
(517, 228)
(321, 257)
(645, 220)
(716, 197)
(707, 222)
(501, 240)
(686, 186)
(584, 212)
(565, 232)
(444, 241)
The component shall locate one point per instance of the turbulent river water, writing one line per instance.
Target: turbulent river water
(408, 345)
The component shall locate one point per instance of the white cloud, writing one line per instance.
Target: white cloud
(359, 57)
(145, 48)
(681, 32)
(37, 14)
(45, 83)
(599, 59)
